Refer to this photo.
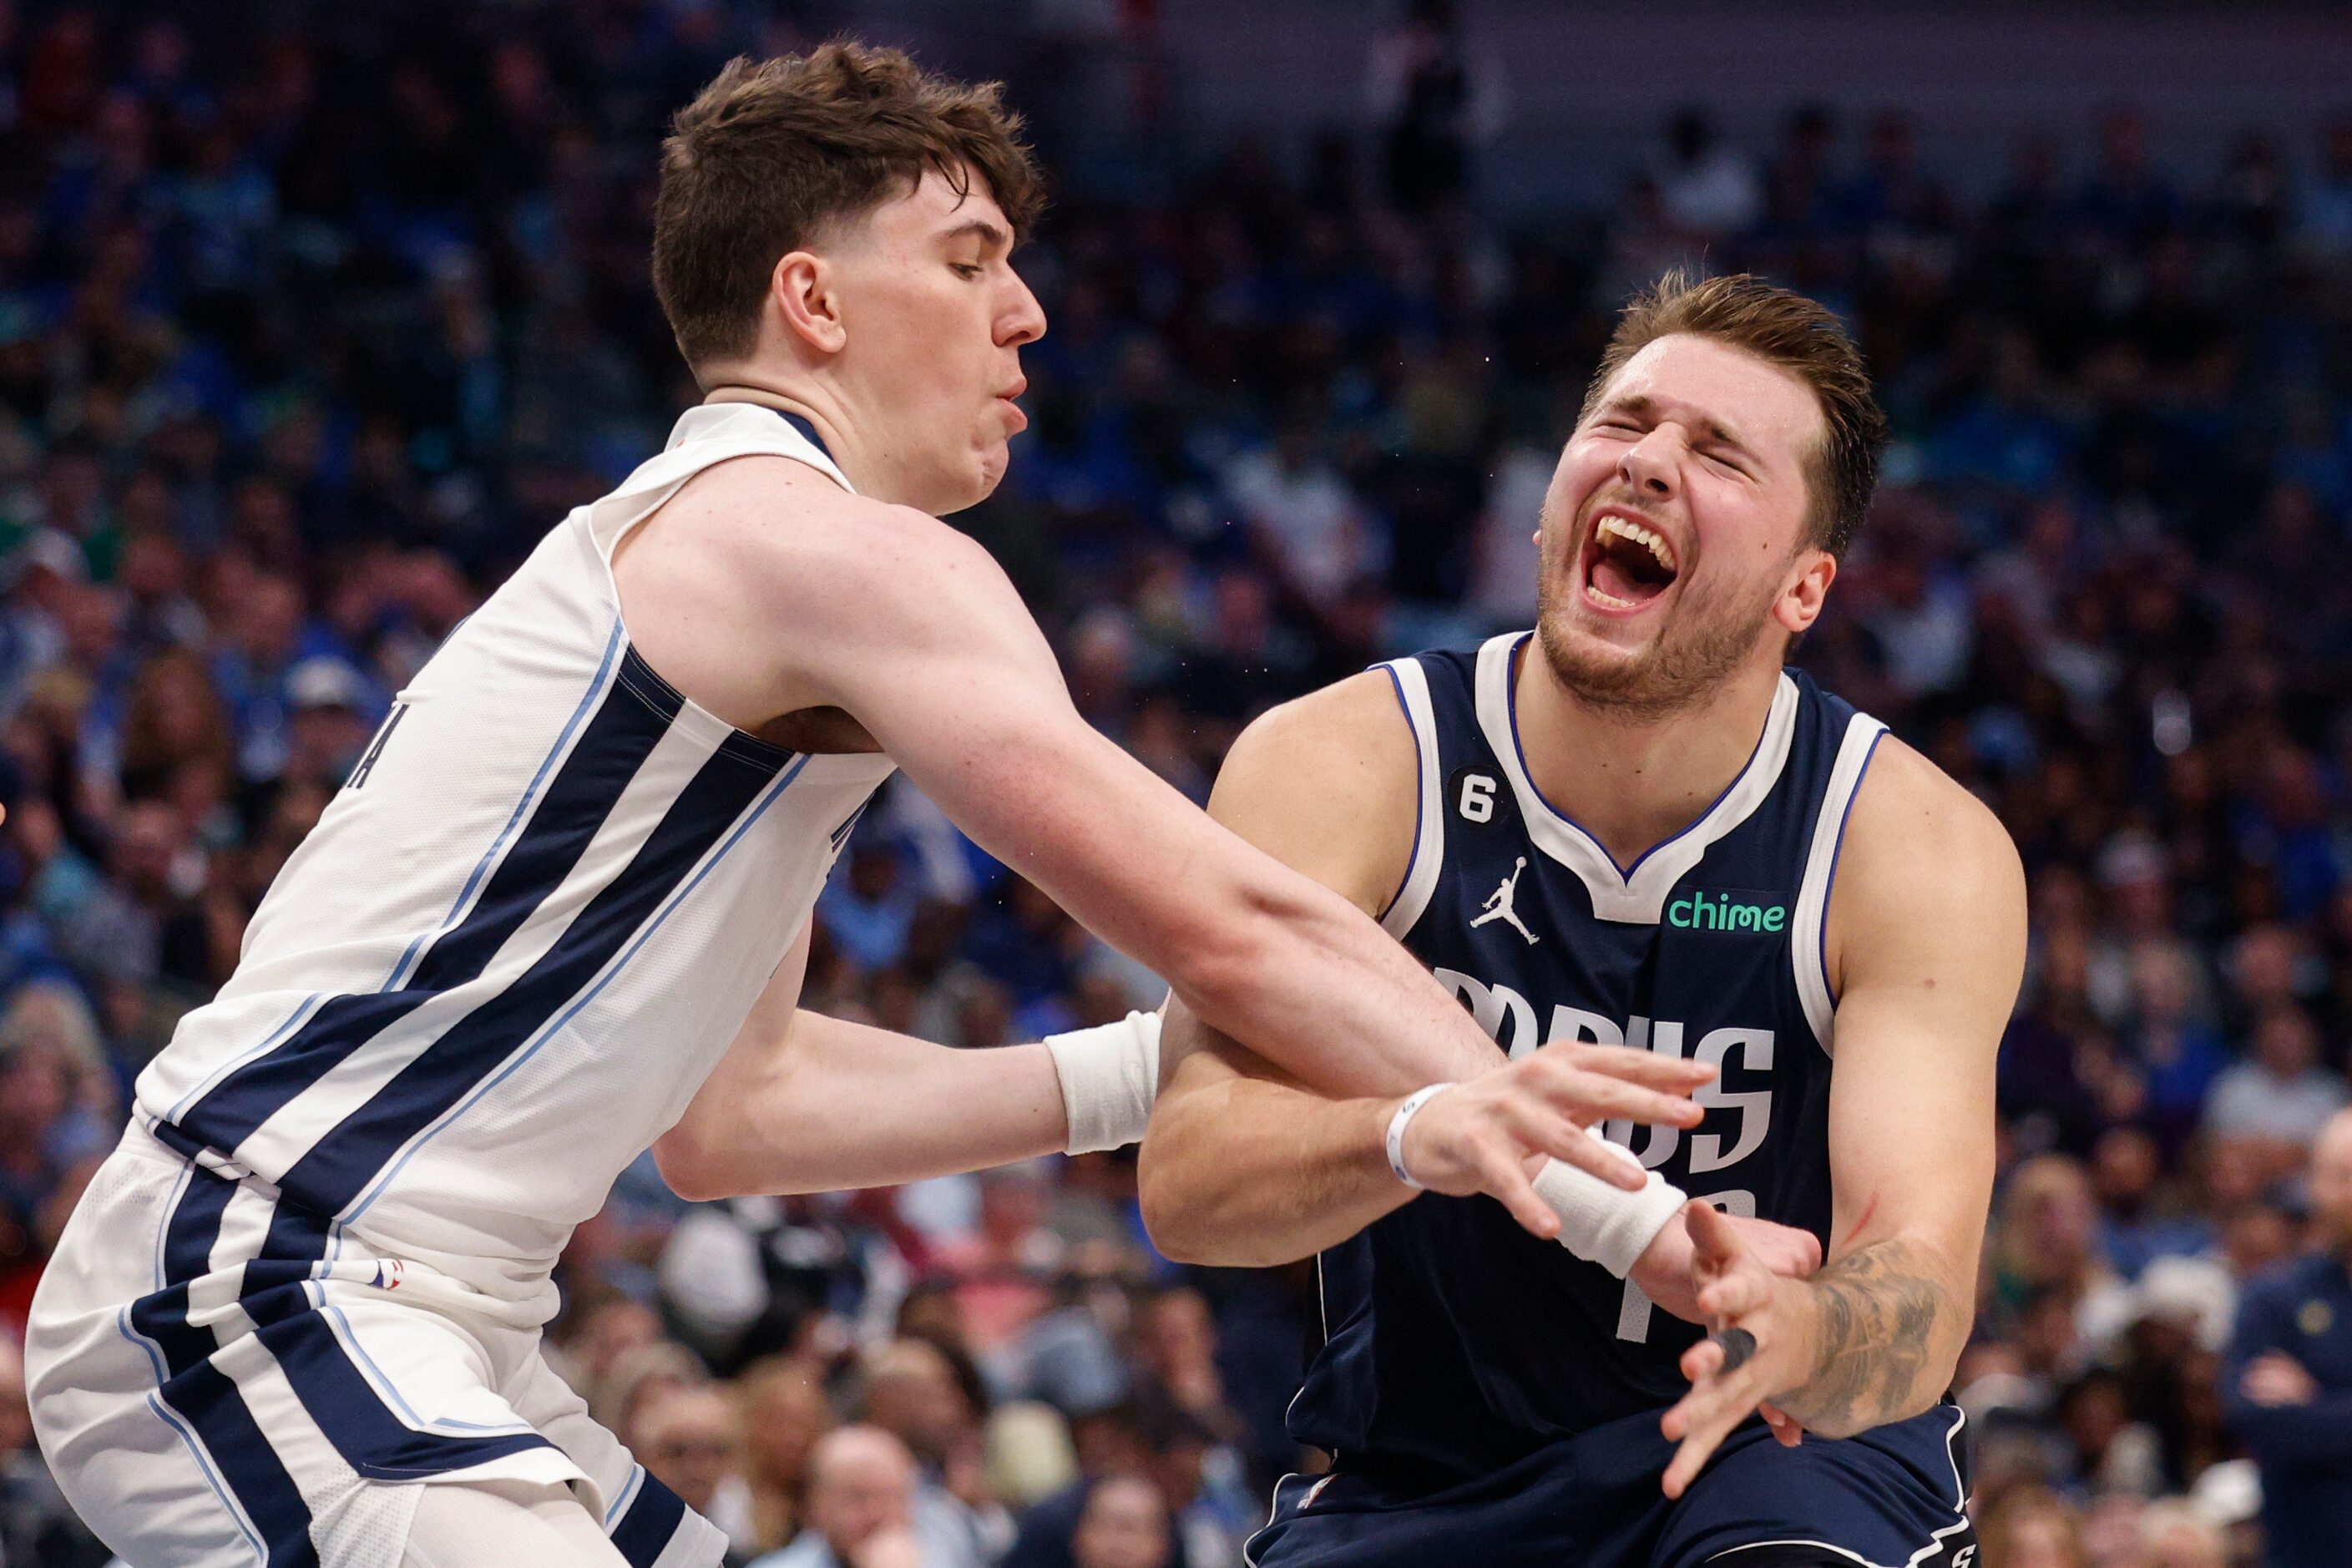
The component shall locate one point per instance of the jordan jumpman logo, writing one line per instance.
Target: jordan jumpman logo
(1498, 904)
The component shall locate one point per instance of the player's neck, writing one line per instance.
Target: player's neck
(836, 432)
(1634, 782)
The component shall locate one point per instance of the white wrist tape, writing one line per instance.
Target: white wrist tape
(1604, 1224)
(1403, 1118)
(1110, 1075)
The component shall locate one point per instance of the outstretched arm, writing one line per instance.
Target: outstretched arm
(802, 1102)
(1928, 936)
(761, 589)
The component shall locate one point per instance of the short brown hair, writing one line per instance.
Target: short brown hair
(1802, 337)
(774, 151)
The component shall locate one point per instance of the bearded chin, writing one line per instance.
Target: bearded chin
(1681, 669)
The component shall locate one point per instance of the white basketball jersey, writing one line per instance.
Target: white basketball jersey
(527, 927)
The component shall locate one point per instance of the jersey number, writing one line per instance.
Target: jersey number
(1633, 1314)
(1477, 798)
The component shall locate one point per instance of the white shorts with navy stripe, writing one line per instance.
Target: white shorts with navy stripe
(218, 1378)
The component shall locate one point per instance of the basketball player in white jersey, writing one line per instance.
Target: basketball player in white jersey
(559, 912)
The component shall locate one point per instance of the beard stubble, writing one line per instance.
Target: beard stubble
(1698, 650)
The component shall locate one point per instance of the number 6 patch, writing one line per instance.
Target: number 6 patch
(1475, 796)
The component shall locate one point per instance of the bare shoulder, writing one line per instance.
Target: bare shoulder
(1329, 782)
(761, 584)
(1923, 866)
(781, 525)
(1909, 813)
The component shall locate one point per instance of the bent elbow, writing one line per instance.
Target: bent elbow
(687, 1166)
(1191, 1225)
(1169, 1217)
(1179, 1215)
(1183, 1232)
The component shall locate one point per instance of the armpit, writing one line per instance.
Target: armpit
(819, 731)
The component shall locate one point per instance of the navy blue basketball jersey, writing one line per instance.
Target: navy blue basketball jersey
(1454, 1342)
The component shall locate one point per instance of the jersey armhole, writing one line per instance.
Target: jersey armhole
(1412, 683)
(1809, 948)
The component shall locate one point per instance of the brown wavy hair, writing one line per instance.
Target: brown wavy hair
(773, 152)
(1799, 335)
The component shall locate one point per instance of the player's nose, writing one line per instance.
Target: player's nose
(1648, 464)
(1024, 319)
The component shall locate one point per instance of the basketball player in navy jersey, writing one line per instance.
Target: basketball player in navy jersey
(1632, 825)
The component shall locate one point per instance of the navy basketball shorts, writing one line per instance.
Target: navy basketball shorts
(1892, 1498)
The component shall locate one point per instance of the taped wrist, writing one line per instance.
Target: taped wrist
(1109, 1075)
(1604, 1224)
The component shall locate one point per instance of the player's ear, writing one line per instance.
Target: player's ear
(1800, 605)
(802, 290)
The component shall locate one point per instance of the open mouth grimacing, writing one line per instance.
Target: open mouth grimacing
(1626, 564)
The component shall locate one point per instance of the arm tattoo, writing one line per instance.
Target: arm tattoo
(1879, 1313)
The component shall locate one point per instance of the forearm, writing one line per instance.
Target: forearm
(1249, 1173)
(1320, 991)
(1888, 1326)
(847, 1106)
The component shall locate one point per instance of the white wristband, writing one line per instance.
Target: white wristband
(1397, 1124)
(1605, 1224)
(1110, 1075)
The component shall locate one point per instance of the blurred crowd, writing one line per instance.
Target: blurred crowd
(307, 334)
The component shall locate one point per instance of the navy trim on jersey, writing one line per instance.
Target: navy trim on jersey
(1624, 873)
(613, 645)
(628, 724)
(1396, 684)
(276, 1293)
(199, 1401)
(801, 423)
(767, 754)
(292, 1323)
(653, 1517)
(782, 783)
(1829, 887)
(337, 1169)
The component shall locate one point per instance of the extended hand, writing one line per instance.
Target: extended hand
(1482, 1135)
(1664, 1269)
(1735, 1291)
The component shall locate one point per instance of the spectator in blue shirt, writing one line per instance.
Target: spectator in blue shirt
(2287, 1385)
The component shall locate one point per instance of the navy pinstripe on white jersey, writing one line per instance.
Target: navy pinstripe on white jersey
(527, 927)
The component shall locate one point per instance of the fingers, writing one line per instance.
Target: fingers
(1504, 1178)
(1785, 1430)
(1734, 1296)
(1715, 1243)
(1699, 1362)
(1594, 1158)
(1543, 1132)
(1653, 1069)
(1708, 1416)
(1594, 1097)
(1737, 1344)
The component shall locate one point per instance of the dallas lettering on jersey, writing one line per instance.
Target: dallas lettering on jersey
(1510, 1020)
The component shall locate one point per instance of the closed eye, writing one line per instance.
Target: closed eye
(963, 269)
